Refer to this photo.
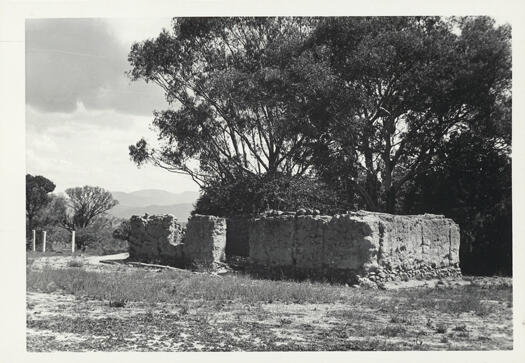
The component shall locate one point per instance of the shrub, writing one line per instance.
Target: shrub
(97, 238)
(248, 195)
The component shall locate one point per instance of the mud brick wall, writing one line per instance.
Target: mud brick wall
(376, 245)
(205, 240)
(156, 238)
(237, 236)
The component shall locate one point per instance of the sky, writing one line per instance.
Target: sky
(82, 111)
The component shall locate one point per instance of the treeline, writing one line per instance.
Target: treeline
(393, 114)
(80, 209)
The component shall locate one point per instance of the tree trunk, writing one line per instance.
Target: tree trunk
(390, 201)
(371, 189)
(390, 193)
(371, 204)
(371, 177)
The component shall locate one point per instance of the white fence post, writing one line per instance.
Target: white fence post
(72, 241)
(34, 240)
(44, 241)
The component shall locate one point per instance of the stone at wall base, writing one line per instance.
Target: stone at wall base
(378, 246)
(337, 276)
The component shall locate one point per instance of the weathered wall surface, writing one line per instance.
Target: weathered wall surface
(377, 245)
(205, 240)
(407, 239)
(237, 236)
(308, 247)
(160, 238)
(272, 240)
(155, 239)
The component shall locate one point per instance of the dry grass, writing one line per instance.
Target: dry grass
(175, 286)
(170, 286)
(150, 310)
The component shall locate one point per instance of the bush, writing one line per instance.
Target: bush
(474, 188)
(57, 238)
(97, 238)
(249, 195)
(123, 231)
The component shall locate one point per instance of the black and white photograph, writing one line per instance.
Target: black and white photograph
(268, 183)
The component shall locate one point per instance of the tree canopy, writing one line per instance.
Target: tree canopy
(237, 87)
(365, 103)
(37, 196)
(401, 86)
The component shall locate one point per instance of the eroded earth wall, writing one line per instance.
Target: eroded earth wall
(376, 245)
(205, 240)
(156, 238)
(160, 238)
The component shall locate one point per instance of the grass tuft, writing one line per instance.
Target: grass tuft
(441, 328)
(75, 263)
(394, 330)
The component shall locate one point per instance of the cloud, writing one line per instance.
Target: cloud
(82, 112)
(79, 148)
(83, 60)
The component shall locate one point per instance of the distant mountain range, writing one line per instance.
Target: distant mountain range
(154, 201)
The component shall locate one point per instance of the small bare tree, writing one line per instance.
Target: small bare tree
(86, 203)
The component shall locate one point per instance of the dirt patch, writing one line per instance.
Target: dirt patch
(62, 322)
(243, 314)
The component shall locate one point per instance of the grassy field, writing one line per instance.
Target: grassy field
(120, 308)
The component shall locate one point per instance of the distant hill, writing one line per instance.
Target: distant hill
(154, 201)
(154, 197)
(180, 211)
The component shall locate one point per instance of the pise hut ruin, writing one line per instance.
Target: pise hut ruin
(355, 246)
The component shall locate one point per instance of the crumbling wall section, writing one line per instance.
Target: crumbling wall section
(156, 238)
(205, 240)
(376, 245)
(161, 239)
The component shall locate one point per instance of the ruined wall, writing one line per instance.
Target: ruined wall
(237, 236)
(379, 246)
(155, 239)
(160, 238)
(205, 240)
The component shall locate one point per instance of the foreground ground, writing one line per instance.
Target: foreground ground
(79, 304)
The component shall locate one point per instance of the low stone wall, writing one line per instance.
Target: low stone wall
(237, 236)
(156, 239)
(205, 240)
(377, 246)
